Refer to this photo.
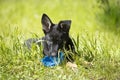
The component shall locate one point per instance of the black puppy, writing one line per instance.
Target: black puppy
(56, 37)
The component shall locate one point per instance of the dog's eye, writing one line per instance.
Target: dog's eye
(59, 40)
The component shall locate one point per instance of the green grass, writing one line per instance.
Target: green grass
(96, 43)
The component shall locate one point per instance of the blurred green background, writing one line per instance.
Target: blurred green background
(90, 15)
(95, 29)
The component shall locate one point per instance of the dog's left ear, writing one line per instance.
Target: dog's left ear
(65, 25)
(46, 23)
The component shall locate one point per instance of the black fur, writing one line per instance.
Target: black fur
(56, 37)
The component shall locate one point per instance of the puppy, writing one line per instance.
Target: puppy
(56, 38)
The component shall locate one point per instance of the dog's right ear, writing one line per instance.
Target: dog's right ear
(65, 25)
(46, 23)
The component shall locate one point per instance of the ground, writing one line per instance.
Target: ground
(97, 43)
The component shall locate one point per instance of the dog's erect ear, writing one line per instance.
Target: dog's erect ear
(46, 23)
(65, 25)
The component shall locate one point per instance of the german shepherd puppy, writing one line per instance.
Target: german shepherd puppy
(56, 37)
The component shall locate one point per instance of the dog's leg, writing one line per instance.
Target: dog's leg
(28, 43)
(69, 46)
(70, 60)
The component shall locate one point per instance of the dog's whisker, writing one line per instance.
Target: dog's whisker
(40, 41)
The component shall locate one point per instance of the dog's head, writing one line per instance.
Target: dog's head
(55, 34)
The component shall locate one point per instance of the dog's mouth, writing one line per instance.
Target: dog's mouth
(53, 54)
